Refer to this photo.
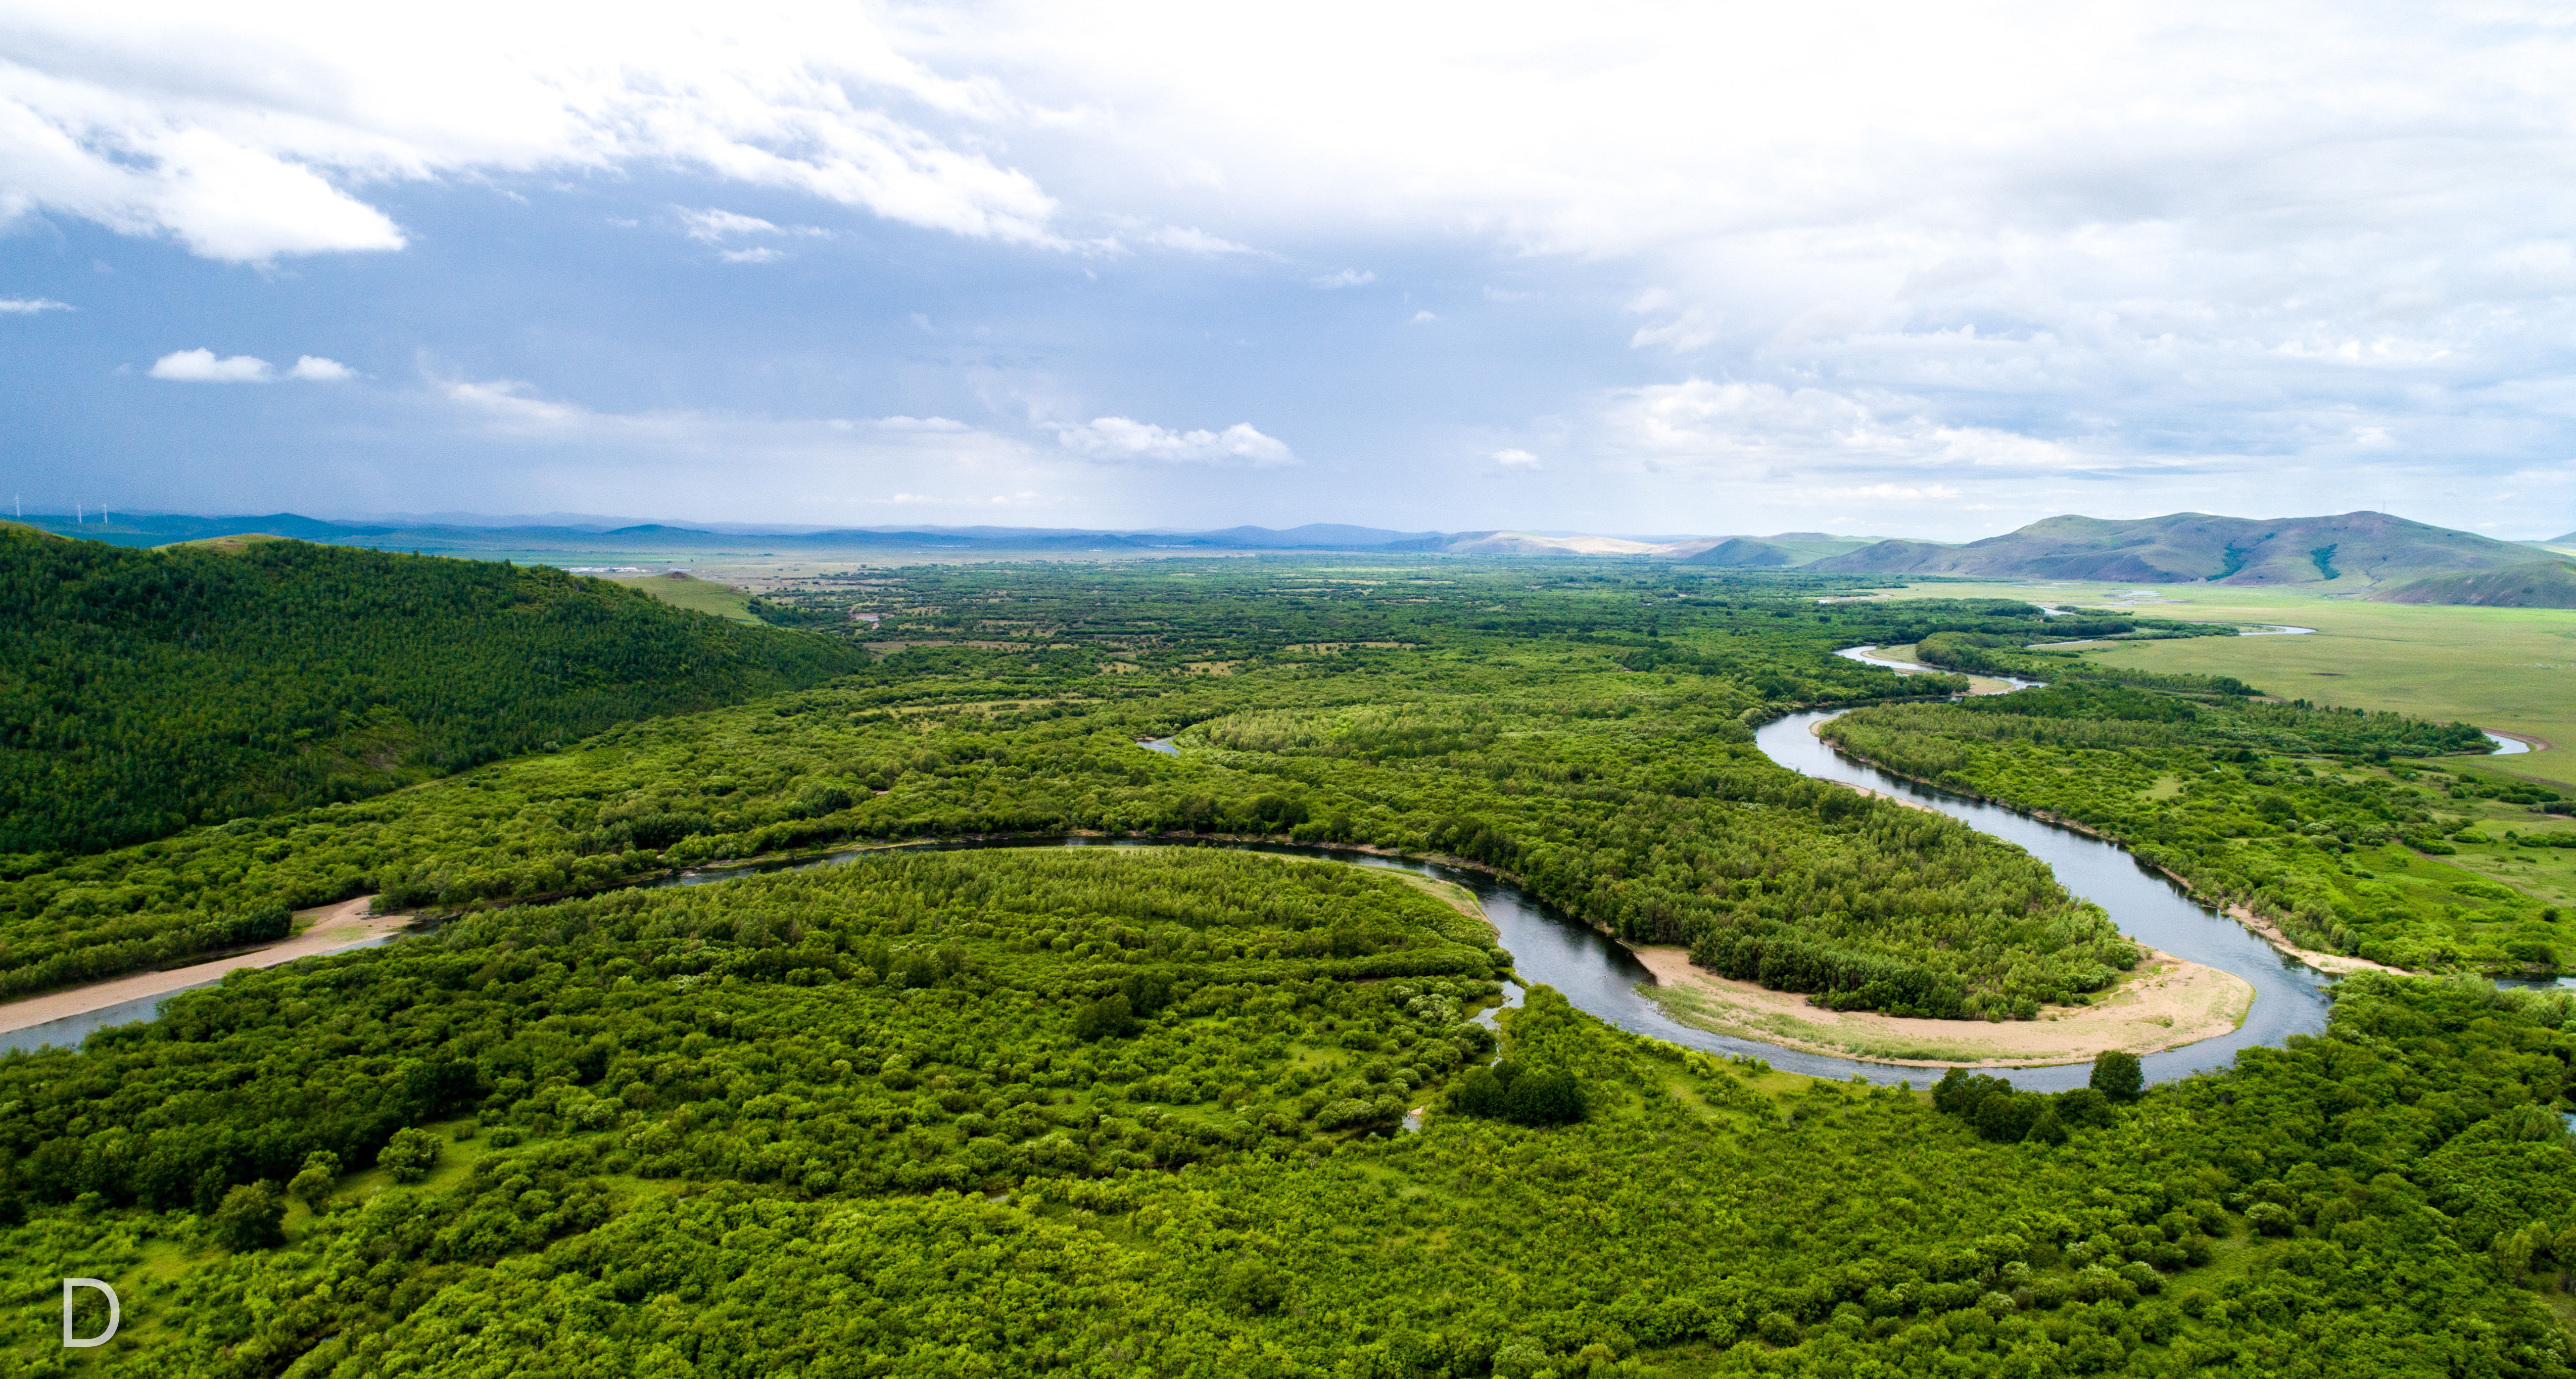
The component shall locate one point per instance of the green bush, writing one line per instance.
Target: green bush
(409, 1155)
(252, 1217)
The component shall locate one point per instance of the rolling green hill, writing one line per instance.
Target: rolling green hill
(2356, 550)
(142, 691)
(1775, 552)
(2532, 584)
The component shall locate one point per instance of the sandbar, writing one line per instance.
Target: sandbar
(324, 929)
(2165, 1003)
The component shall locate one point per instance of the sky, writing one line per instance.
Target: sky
(1650, 269)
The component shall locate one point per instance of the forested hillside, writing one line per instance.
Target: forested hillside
(1587, 730)
(143, 691)
(724, 1130)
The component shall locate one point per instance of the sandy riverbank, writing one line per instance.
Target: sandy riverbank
(2164, 1004)
(324, 929)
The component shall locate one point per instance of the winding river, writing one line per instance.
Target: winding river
(1603, 978)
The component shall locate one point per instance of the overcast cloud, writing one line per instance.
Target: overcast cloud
(1928, 270)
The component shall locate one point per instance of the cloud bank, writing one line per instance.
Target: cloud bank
(1802, 260)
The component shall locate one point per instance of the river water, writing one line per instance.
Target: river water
(2289, 996)
(1604, 979)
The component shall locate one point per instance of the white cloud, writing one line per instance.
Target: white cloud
(313, 368)
(201, 366)
(1888, 493)
(1688, 331)
(1762, 428)
(251, 134)
(1516, 459)
(1425, 317)
(712, 224)
(715, 226)
(29, 306)
(1121, 438)
(1194, 241)
(2017, 238)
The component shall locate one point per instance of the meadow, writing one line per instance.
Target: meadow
(693, 592)
(2510, 670)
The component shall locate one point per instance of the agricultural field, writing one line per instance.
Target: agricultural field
(693, 592)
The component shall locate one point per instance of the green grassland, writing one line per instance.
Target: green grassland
(2508, 670)
(693, 593)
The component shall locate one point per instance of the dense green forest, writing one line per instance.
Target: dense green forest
(2329, 821)
(1585, 728)
(1097, 1111)
(143, 691)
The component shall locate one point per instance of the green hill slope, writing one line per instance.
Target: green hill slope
(688, 591)
(2533, 584)
(2357, 550)
(142, 691)
(1773, 552)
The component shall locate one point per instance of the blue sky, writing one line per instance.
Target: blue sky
(1638, 269)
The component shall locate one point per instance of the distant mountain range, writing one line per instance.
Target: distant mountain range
(2371, 554)
(589, 537)
(660, 538)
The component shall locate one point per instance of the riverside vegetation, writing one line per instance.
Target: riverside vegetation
(725, 1130)
(1109, 1110)
(1587, 732)
(2334, 823)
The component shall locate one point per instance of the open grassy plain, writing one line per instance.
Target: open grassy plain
(2508, 670)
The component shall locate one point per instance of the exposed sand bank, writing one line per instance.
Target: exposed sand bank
(2164, 1004)
(326, 928)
